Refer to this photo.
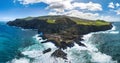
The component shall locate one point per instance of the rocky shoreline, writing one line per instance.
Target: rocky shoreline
(64, 32)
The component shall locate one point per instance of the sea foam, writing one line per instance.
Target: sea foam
(21, 60)
(111, 31)
(96, 55)
(76, 54)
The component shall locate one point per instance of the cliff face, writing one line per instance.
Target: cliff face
(61, 25)
(63, 31)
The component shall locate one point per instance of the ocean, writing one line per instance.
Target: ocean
(19, 45)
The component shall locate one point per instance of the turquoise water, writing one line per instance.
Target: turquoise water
(109, 43)
(102, 47)
(11, 39)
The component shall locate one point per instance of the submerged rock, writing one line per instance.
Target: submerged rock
(19, 55)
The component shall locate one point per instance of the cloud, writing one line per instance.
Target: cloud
(7, 18)
(67, 5)
(61, 6)
(111, 5)
(70, 8)
(28, 1)
(118, 11)
(89, 6)
(58, 7)
(79, 14)
(86, 15)
(115, 7)
(117, 4)
(108, 18)
(38, 1)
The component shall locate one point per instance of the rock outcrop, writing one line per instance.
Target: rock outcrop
(47, 50)
(63, 31)
(59, 53)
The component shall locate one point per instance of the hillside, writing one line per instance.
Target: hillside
(62, 30)
(51, 19)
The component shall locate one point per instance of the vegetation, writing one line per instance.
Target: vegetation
(51, 21)
(95, 23)
(63, 31)
(28, 18)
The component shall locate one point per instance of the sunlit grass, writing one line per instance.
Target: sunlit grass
(50, 21)
(28, 18)
(95, 23)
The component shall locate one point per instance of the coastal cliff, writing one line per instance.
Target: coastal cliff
(63, 31)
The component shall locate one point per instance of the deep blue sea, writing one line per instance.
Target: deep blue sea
(23, 46)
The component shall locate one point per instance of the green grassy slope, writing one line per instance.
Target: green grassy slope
(52, 20)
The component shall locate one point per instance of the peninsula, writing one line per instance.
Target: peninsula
(61, 30)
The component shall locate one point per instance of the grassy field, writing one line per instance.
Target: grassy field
(95, 23)
(51, 20)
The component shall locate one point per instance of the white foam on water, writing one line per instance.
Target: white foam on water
(33, 53)
(39, 57)
(21, 60)
(48, 59)
(39, 39)
(49, 45)
(111, 31)
(76, 54)
(97, 56)
(114, 27)
(88, 54)
(46, 45)
(101, 58)
(114, 32)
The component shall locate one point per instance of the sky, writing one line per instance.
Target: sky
(108, 10)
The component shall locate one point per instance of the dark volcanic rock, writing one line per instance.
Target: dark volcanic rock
(59, 53)
(63, 32)
(47, 50)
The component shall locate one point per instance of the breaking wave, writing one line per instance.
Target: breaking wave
(76, 54)
(112, 31)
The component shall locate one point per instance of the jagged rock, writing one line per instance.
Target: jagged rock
(80, 44)
(70, 44)
(59, 53)
(47, 50)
